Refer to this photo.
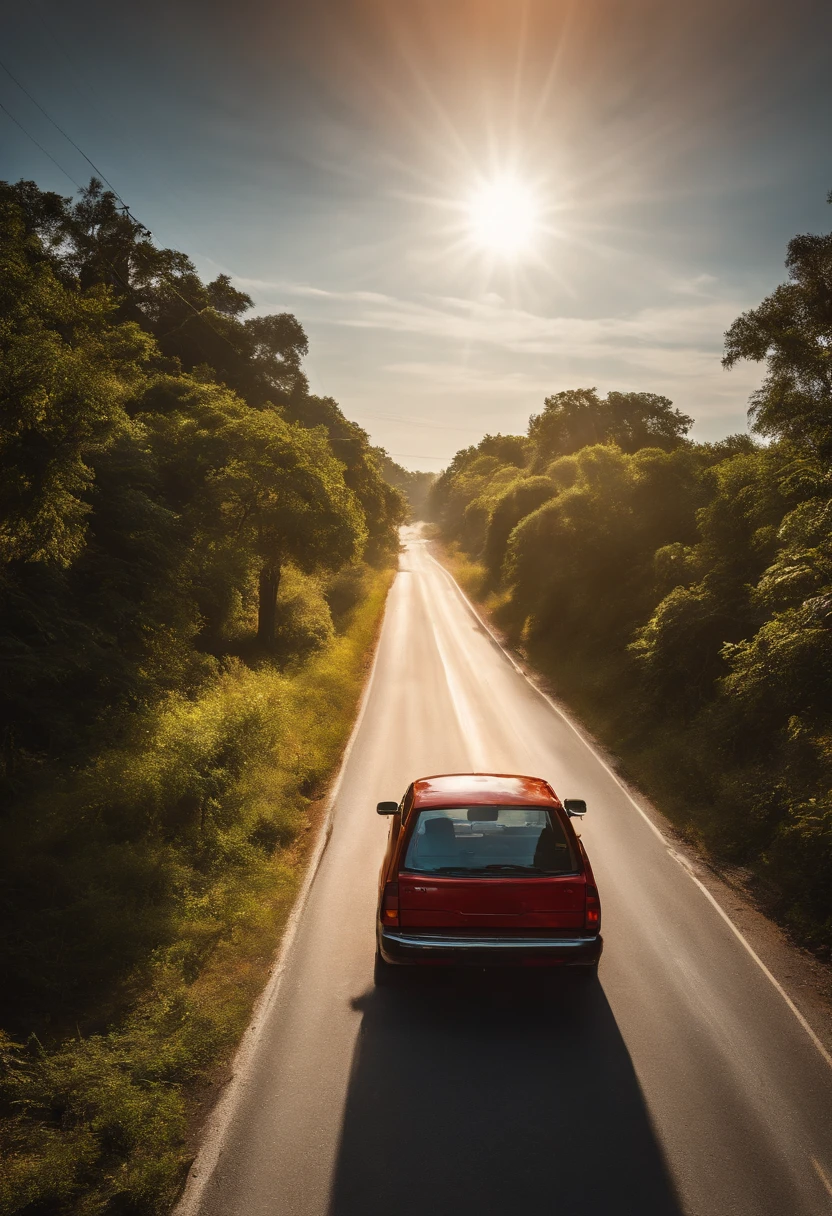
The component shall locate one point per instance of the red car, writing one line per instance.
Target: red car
(486, 869)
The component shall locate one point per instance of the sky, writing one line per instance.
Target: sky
(342, 159)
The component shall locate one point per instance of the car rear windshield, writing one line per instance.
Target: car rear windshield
(489, 841)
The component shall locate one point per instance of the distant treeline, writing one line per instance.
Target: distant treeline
(194, 552)
(415, 486)
(680, 593)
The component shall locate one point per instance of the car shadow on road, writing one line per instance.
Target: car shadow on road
(495, 1096)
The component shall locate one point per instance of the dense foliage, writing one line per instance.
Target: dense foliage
(163, 463)
(680, 594)
(189, 541)
(141, 938)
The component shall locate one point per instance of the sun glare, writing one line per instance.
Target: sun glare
(503, 217)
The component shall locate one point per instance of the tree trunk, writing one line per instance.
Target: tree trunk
(267, 607)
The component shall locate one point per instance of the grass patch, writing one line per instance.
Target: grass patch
(148, 894)
(473, 577)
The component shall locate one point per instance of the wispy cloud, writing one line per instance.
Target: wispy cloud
(683, 337)
(493, 363)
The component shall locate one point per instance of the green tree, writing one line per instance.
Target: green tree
(645, 420)
(250, 487)
(580, 567)
(469, 473)
(95, 241)
(384, 506)
(203, 329)
(139, 508)
(680, 647)
(518, 501)
(284, 494)
(791, 332)
(578, 418)
(65, 370)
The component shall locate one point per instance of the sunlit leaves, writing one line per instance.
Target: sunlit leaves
(791, 331)
(576, 418)
(65, 370)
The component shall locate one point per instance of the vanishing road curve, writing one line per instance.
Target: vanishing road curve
(682, 1083)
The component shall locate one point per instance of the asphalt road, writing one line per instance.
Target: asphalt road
(682, 1082)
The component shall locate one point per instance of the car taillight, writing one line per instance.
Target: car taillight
(390, 904)
(593, 910)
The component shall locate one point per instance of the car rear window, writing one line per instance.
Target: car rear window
(489, 841)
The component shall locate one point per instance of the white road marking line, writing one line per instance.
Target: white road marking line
(685, 864)
(466, 716)
(819, 1170)
(682, 861)
(216, 1126)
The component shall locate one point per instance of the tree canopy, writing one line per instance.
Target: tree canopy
(791, 332)
(163, 464)
(576, 418)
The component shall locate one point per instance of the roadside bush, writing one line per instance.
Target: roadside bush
(344, 590)
(518, 501)
(304, 620)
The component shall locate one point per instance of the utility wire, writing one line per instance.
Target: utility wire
(49, 118)
(351, 439)
(146, 231)
(67, 175)
(440, 426)
(37, 145)
(197, 311)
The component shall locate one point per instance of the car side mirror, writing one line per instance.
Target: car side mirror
(574, 806)
(387, 808)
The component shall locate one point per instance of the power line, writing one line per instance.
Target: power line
(198, 312)
(67, 175)
(124, 206)
(49, 118)
(439, 426)
(37, 145)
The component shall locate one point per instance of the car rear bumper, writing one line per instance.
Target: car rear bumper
(487, 950)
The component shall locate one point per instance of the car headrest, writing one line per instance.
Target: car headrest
(440, 826)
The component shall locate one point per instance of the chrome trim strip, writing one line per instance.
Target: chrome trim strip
(420, 941)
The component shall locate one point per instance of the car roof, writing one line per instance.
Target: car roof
(482, 789)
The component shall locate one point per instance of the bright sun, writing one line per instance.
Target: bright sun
(503, 216)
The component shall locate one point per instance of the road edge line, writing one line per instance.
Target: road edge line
(677, 857)
(216, 1125)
